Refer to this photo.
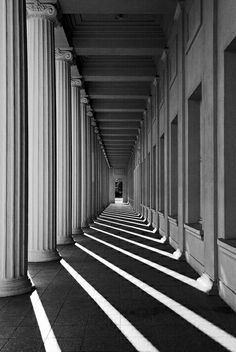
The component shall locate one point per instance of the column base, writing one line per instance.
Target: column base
(77, 231)
(13, 287)
(179, 255)
(64, 240)
(43, 256)
(206, 283)
(84, 225)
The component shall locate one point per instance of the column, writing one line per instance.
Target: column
(42, 132)
(13, 150)
(64, 146)
(89, 163)
(96, 170)
(84, 101)
(76, 156)
(93, 198)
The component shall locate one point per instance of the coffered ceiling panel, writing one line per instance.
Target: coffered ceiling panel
(117, 45)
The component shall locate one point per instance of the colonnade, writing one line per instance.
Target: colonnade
(181, 173)
(53, 167)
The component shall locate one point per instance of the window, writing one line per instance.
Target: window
(194, 152)
(162, 174)
(173, 206)
(154, 168)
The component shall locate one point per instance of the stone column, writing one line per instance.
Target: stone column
(93, 196)
(89, 163)
(64, 146)
(76, 156)
(96, 169)
(13, 150)
(84, 102)
(42, 132)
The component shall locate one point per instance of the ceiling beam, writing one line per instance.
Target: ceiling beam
(117, 78)
(119, 125)
(118, 138)
(114, 97)
(118, 7)
(128, 116)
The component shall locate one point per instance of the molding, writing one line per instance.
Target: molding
(194, 231)
(38, 9)
(64, 54)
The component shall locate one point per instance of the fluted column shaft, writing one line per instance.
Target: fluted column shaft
(76, 156)
(93, 175)
(96, 170)
(84, 102)
(64, 147)
(88, 159)
(42, 147)
(13, 149)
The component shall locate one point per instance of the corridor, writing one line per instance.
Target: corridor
(118, 288)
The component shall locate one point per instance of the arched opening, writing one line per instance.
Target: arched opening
(118, 191)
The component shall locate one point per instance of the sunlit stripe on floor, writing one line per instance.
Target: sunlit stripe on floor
(185, 279)
(109, 217)
(127, 329)
(47, 334)
(122, 214)
(113, 211)
(157, 240)
(138, 221)
(132, 233)
(129, 226)
(152, 249)
(136, 218)
(214, 332)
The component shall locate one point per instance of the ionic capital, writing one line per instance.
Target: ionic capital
(89, 114)
(93, 122)
(36, 8)
(84, 100)
(76, 82)
(64, 55)
(96, 130)
(88, 108)
(156, 80)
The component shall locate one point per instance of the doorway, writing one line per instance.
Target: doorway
(118, 191)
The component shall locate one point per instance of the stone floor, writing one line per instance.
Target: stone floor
(124, 293)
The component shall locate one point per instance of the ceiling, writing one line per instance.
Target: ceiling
(118, 44)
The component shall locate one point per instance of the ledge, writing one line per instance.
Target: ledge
(195, 230)
(173, 219)
(229, 245)
(160, 213)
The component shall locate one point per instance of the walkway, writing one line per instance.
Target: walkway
(119, 288)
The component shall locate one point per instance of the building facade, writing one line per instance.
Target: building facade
(62, 147)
